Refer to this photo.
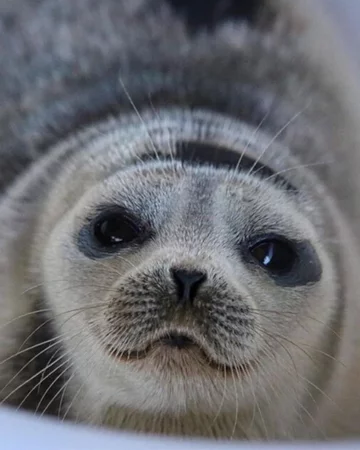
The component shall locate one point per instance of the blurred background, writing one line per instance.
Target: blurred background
(346, 15)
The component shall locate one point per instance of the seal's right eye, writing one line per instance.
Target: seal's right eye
(115, 229)
(111, 229)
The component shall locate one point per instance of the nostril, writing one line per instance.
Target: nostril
(187, 282)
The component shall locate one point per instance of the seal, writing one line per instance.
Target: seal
(178, 218)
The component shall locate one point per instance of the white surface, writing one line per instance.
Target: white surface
(22, 431)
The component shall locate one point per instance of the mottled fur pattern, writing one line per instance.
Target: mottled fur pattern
(89, 90)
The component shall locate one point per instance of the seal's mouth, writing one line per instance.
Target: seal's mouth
(175, 340)
(178, 342)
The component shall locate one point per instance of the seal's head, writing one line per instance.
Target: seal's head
(184, 271)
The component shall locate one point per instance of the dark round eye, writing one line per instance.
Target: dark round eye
(275, 255)
(115, 229)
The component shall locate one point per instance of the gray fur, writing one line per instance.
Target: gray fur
(87, 89)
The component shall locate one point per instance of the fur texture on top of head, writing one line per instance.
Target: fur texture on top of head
(179, 197)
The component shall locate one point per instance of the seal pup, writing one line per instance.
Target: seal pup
(178, 218)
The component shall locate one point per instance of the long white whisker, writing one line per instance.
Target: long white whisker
(137, 112)
(170, 143)
(257, 129)
(300, 166)
(279, 133)
(236, 405)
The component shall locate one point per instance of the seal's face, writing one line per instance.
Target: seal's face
(190, 286)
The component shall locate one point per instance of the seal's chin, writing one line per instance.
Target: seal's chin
(176, 348)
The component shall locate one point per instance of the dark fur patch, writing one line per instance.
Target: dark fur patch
(209, 13)
(199, 153)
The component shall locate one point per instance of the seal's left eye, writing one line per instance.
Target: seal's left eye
(115, 229)
(276, 256)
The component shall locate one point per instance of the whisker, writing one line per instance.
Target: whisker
(43, 378)
(300, 166)
(300, 376)
(55, 341)
(56, 379)
(107, 267)
(50, 360)
(31, 288)
(73, 400)
(170, 143)
(221, 402)
(236, 405)
(257, 406)
(61, 374)
(77, 310)
(66, 385)
(74, 286)
(257, 129)
(304, 351)
(137, 112)
(279, 133)
(22, 316)
(28, 349)
(78, 391)
(29, 379)
(263, 313)
(272, 374)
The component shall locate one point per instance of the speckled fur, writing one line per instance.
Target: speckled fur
(72, 74)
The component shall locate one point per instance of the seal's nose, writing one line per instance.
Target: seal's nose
(187, 283)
